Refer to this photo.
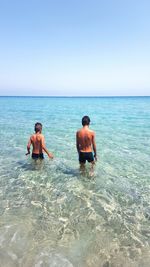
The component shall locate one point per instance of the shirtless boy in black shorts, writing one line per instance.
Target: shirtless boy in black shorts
(37, 141)
(85, 143)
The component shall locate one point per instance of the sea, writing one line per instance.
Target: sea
(54, 215)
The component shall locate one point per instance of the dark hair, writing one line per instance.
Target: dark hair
(38, 127)
(85, 120)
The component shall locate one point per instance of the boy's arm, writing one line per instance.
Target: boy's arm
(28, 146)
(50, 155)
(94, 146)
(77, 142)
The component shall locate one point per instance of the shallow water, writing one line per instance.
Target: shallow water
(53, 215)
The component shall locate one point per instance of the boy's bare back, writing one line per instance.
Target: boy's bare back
(37, 141)
(85, 138)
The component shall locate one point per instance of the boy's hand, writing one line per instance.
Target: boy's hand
(50, 155)
(95, 157)
(27, 153)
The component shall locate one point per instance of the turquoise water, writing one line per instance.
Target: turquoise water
(53, 215)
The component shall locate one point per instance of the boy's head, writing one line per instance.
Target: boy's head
(85, 120)
(38, 127)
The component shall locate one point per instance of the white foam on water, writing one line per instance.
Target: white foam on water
(52, 260)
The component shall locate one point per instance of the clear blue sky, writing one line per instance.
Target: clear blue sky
(74, 47)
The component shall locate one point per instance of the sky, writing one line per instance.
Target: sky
(75, 47)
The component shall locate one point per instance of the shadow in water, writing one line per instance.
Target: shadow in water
(31, 165)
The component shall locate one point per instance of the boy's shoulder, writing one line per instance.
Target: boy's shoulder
(33, 136)
(42, 135)
(79, 131)
(83, 131)
(91, 131)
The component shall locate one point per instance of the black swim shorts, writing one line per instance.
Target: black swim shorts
(37, 156)
(83, 156)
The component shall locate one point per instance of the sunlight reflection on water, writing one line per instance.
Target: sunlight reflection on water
(53, 215)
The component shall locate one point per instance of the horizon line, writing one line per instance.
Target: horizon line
(82, 96)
